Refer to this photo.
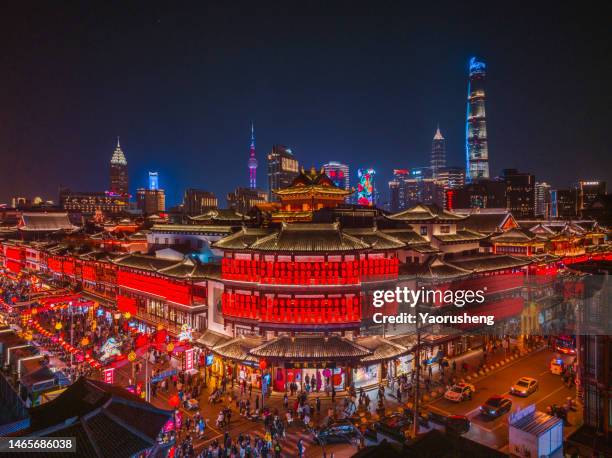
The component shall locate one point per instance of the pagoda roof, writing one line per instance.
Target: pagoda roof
(193, 270)
(426, 213)
(488, 262)
(435, 268)
(375, 238)
(408, 341)
(309, 237)
(424, 248)
(238, 349)
(210, 339)
(222, 214)
(242, 239)
(142, 262)
(317, 348)
(489, 223)
(108, 421)
(191, 228)
(45, 222)
(312, 182)
(382, 349)
(406, 235)
(515, 235)
(186, 268)
(464, 235)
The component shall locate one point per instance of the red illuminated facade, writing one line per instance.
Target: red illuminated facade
(315, 281)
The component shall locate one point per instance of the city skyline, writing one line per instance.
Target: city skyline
(70, 127)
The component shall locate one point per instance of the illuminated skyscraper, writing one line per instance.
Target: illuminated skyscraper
(252, 161)
(438, 153)
(476, 148)
(119, 172)
(153, 180)
(339, 173)
(282, 169)
(366, 190)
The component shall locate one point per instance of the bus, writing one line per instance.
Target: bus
(566, 345)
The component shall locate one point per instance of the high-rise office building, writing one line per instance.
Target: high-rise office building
(282, 169)
(151, 201)
(476, 148)
(438, 153)
(478, 194)
(542, 200)
(119, 184)
(338, 173)
(520, 193)
(243, 199)
(197, 202)
(451, 177)
(588, 191)
(153, 180)
(564, 203)
(252, 161)
(448, 179)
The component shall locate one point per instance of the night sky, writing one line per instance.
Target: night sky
(365, 85)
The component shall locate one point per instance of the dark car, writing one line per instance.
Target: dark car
(496, 406)
(338, 431)
(456, 424)
(396, 425)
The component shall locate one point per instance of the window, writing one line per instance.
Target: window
(423, 230)
(444, 229)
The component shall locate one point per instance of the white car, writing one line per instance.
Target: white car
(524, 386)
(459, 392)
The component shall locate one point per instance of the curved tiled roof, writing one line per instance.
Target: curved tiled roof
(312, 182)
(242, 239)
(465, 235)
(375, 238)
(238, 349)
(332, 348)
(430, 213)
(319, 237)
(193, 270)
(383, 349)
(408, 236)
(45, 222)
(220, 214)
(491, 262)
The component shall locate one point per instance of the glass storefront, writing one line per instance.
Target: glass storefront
(366, 375)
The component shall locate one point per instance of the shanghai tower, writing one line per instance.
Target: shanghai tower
(476, 148)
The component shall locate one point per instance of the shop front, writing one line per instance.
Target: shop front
(367, 375)
(309, 376)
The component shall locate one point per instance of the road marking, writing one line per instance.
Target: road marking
(551, 393)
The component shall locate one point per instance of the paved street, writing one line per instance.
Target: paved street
(494, 432)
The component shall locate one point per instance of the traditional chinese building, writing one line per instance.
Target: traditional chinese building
(309, 191)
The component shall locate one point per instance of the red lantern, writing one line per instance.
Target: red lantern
(174, 401)
(263, 364)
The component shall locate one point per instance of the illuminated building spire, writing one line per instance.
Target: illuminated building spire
(438, 152)
(476, 144)
(252, 161)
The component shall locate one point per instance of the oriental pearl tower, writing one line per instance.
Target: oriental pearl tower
(252, 161)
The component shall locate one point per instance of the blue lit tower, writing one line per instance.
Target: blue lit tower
(252, 161)
(476, 148)
(153, 180)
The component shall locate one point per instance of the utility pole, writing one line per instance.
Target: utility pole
(71, 331)
(417, 364)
